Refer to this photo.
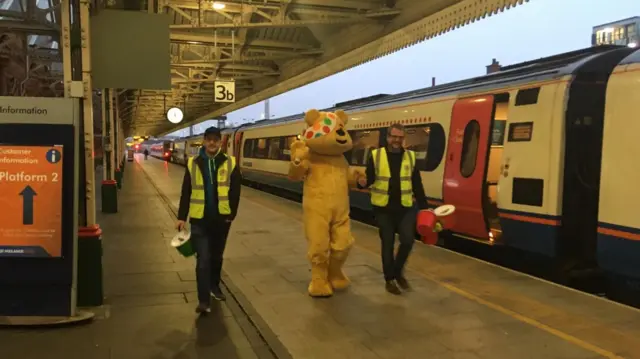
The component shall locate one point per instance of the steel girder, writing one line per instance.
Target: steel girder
(267, 46)
(407, 23)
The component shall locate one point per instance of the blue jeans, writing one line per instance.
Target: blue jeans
(389, 223)
(209, 244)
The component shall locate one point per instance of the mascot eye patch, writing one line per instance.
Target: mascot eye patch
(321, 128)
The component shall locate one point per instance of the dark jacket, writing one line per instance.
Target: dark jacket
(395, 204)
(211, 212)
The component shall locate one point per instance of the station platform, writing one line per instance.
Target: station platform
(460, 307)
(150, 297)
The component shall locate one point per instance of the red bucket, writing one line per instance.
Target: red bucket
(426, 222)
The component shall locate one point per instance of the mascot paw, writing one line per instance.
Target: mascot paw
(299, 152)
(339, 281)
(320, 288)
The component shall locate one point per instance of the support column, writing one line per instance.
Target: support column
(116, 140)
(109, 185)
(89, 253)
(103, 107)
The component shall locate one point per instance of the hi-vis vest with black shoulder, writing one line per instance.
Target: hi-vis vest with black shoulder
(380, 188)
(223, 173)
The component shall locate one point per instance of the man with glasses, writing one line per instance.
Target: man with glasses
(210, 197)
(394, 180)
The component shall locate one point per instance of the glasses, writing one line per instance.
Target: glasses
(396, 137)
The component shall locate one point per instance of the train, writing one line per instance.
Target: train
(531, 155)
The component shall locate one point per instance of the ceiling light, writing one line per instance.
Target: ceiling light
(218, 5)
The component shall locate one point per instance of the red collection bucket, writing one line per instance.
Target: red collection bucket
(426, 222)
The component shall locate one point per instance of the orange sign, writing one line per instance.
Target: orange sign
(31, 201)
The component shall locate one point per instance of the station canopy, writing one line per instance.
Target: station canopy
(264, 47)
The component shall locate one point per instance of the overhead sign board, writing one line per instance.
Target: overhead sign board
(31, 201)
(225, 91)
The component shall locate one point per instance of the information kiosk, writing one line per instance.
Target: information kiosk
(39, 200)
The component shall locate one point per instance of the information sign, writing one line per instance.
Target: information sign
(225, 91)
(31, 201)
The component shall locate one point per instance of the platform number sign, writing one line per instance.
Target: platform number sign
(225, 91)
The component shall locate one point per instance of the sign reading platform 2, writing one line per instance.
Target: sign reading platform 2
(31, 201)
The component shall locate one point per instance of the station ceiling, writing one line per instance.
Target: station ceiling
(267, 46)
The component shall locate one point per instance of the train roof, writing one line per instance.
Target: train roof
(535, 70)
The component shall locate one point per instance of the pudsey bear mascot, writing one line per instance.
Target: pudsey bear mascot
(318, 160)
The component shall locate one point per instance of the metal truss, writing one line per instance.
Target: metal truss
(267, 46)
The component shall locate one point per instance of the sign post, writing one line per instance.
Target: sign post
(39, 167)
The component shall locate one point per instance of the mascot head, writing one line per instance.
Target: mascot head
(325, 133)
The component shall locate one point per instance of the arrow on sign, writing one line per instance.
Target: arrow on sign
(27, 204)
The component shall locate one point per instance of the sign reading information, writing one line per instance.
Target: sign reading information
(31, 201)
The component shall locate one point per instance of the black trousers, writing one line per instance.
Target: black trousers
(389, 223)
(209, 243)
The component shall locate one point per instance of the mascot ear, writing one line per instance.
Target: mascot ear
(311, 116)
(343, 116)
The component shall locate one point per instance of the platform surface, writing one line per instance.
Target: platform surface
(150, 297)
(460, 307)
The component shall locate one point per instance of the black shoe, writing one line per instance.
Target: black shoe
(392, 288)
(218, 295)
(203, 308)
(402, 283)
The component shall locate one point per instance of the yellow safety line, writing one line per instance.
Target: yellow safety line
(567, 337)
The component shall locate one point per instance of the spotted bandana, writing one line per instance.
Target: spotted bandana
(320, 128)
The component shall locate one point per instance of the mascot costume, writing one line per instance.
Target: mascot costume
(318, 160)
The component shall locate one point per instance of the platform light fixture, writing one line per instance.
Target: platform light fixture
(218, 5)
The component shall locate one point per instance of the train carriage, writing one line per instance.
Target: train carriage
(619, 221)
(477, 149)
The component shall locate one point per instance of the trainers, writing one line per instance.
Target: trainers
(203, 308)
(218, 295)
(402, 283)
(392, 288)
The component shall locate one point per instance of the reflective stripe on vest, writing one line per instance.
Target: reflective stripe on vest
(197, 201)
(380, 188)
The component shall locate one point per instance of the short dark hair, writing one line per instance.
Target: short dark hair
(213, 132)
(397, 126)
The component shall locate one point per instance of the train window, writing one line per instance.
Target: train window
(261, 148)
(286, 151)
(527, 96)
(274, 148)
(469, 148)
(428, 143)
(247, 149)
(527, 191)
(520, 132)
(363, 143)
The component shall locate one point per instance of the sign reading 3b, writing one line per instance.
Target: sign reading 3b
(225, 91)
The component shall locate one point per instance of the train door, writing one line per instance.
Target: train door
(237, 146)
(225, 141)
(464, 175)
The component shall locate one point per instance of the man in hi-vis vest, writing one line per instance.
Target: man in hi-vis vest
(210, 197)
(394, 180)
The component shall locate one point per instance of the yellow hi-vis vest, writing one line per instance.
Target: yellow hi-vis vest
(380, 188)
(197, 201)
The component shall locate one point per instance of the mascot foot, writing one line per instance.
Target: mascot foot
(337, 278)
(320, 288)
